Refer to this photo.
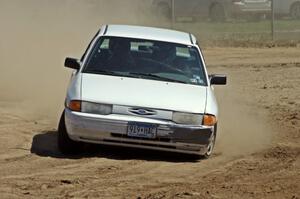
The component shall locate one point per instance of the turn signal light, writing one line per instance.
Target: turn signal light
(75, 105)
(209, 120)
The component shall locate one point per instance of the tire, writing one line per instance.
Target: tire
(217, 13)
(295, 11)
(211, 145)
(65, 145)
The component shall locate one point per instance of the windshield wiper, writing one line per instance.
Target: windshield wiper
(102, 72)
(157, 77)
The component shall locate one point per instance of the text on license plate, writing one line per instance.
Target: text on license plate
(141, 130)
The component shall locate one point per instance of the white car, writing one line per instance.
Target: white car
(141, 87)
(256, 8)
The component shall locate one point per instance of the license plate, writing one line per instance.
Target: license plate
(142, 130)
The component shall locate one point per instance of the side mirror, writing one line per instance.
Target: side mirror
(72, 63)
(218, 79)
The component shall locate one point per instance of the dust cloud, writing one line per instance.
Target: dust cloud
(243, 130)
(36, 36)
(243, 127)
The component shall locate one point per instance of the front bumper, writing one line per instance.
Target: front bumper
(112, 130)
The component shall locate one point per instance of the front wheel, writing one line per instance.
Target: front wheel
(65, 144)
(211, 145)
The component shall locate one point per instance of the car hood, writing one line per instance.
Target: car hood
(143, 93)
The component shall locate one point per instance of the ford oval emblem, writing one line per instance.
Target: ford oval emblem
(141, 111)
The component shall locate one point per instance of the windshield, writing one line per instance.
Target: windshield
(146, 59)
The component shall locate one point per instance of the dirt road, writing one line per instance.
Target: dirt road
(257, 154)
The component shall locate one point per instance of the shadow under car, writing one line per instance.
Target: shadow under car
(45, 144)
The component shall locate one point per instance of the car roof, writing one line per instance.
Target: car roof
(148, 33)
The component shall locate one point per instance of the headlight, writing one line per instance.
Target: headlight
(90, 107)
(94, 108)
(187, 118)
